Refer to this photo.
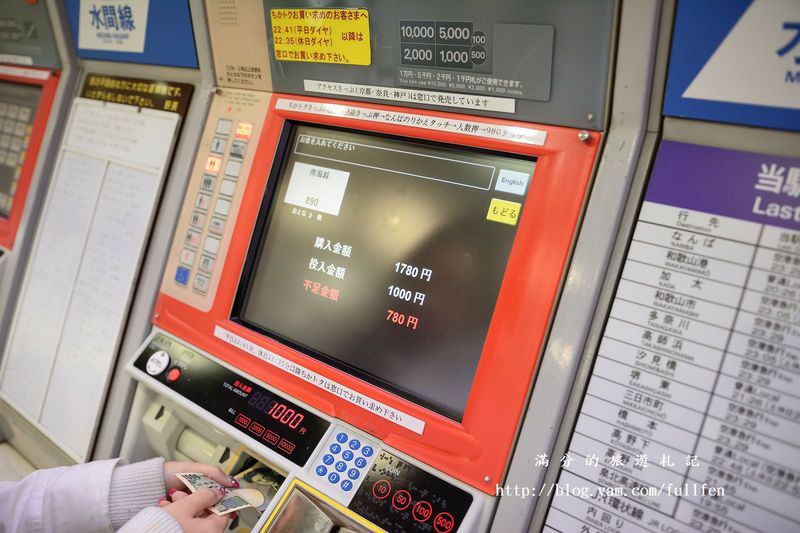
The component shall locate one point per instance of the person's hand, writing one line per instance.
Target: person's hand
(175, 467)
(190, 511)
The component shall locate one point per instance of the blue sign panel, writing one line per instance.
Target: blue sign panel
(134, 31)
(736, 61)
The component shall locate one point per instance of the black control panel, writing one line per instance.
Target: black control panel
(398, 496)
(279, 424)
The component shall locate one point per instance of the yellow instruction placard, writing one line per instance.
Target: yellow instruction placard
(326, 35)
(503, 211)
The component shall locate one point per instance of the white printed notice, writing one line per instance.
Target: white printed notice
(76, 294)
(318, 188)
(691, 418)
(318, 380)
(488, 130)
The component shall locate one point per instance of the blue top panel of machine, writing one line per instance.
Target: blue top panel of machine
(736, 61)
(134, 31)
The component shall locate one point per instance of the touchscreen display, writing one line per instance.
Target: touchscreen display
(384, 257)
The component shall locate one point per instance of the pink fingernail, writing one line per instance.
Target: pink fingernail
(162, 499)
(234, 483)
(170, 492)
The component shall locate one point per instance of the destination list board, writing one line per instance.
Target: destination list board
(691, 418)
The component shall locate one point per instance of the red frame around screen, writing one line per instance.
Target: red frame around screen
(477, 449)
(9, 226)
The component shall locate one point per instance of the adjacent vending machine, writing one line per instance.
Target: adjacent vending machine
(685, 416)
(115, 191)
(36, 75)
(372, 246)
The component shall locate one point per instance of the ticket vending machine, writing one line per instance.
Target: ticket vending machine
(117, 182)
(37, 76)
(36, 73)
(361, 283)
(685, 417)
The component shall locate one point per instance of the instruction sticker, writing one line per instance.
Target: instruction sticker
(328, 35)
(503, 211)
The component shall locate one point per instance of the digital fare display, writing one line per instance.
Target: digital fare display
(275, 422)
(18, 105)
(385, 257)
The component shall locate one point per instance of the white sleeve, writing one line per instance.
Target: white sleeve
(134, 487)
(63, 499)
(152, 520)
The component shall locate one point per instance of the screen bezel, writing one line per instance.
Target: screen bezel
(256, 249)
(475, 451)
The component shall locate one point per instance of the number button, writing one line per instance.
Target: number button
(341, 466)
(327, 459)
(355, 444)
(367, 451)
(335, 448)
(347, 485)
(353, 473)
(361, 462)
(347, 455)
(341, 438)
(333, 477)
(321, 470)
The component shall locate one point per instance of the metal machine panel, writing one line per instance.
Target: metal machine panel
(532, 61)
(26, 37)
(136, 31)
(627, 152)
